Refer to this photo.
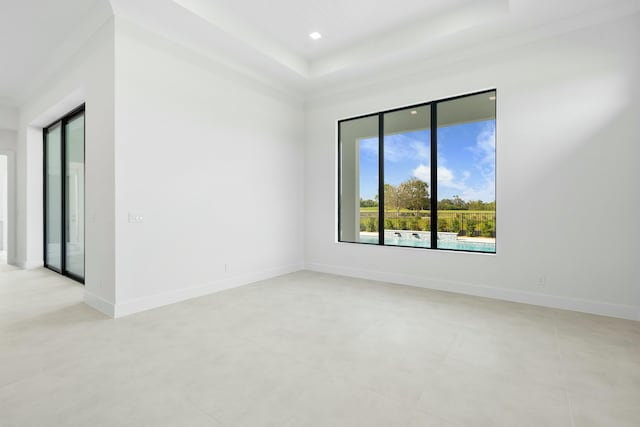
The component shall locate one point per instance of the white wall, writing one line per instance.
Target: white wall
(8, 139)
(8, 118)
(567, 174)
(213, 161)
(87, 77)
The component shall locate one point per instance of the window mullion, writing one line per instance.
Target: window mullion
(381, 179)
(434, 175)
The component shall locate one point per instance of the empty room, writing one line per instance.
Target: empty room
(320, 213)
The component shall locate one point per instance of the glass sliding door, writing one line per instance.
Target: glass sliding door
(64, 217)
(74, 192)
(53, 198)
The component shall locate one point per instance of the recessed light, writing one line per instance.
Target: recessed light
(414, 112)
(315, 35)
(492, 98)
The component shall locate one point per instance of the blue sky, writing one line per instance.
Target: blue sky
(466, 161)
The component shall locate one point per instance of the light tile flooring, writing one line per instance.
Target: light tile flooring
(310, 349)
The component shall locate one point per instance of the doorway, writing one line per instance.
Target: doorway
(4, 203)
(64, 218)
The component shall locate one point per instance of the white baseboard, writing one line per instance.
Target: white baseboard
(27, 265)
(574, 304)
(141, 304)
(99, 304)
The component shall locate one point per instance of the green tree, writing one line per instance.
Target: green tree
(445, 205)
(368, 203)
(455, 204)
(415, 194)
(459, 204)
(479, 205)
(476, 205)
(394, 198)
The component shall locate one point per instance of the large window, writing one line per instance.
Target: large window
(64, 195)
(402, 182)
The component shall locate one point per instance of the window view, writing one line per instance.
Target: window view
(407, 154)
(467, 173)
(421, 188)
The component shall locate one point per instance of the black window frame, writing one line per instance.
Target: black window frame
(62, 122)
(433, 203)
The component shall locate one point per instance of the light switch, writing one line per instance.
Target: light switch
(135, 217)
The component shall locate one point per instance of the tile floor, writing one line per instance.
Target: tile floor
(310, 349)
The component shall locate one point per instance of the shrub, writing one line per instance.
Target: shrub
(443, 224)
(372, 224)
(414, 224)
(471, 225)
(402, 224)
(388, 224)
(487, 229)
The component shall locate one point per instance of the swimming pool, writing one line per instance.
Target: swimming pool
(422, 242)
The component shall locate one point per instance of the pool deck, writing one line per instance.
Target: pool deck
(476, 239)
(458, 238)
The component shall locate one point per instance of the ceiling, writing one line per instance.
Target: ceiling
(33, 33)
(343, 24)
(269, 39)
(353, 31)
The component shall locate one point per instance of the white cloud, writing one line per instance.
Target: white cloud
(395, 152)
(446, 177)
(485, 160)
(369, 145)
(421, 150)
(423, 172)
(398, 149)
(486, 193)
(485, 148)
(401, 148)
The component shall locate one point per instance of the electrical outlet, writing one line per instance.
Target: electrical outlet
(135, 217)
(542, 281)
(227, 268)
